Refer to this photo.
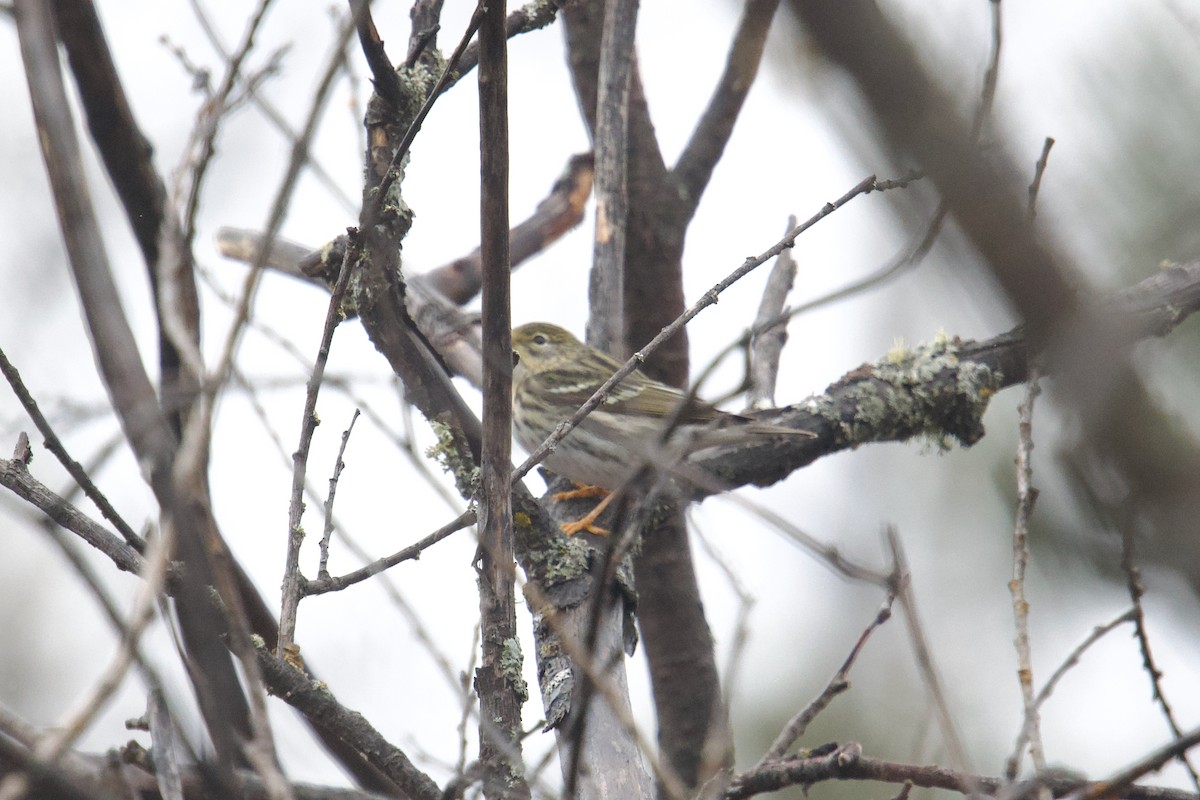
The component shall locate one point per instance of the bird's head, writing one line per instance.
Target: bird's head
(540, 346)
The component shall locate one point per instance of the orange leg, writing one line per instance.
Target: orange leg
(580, 490)
(587, 523)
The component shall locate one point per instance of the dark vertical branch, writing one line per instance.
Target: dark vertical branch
(498, 680)
(653, 285)
(606, 289)
(692, 719)
(126, 155)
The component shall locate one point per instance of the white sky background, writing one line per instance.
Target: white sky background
(788, 155)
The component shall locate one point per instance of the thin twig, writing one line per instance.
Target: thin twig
(1038, 171)
(338, 466)
(1114, 786)
(299, 157)
(293, 581)
(388, 586)
(206, 128)
(830, 555)
(991, 78)
(924, 657)
(741, 624)
(468, 700)
(532, 16)
(1099, 632)
(410, 553)
(1133, 582)
(272, 114)
(798, 724)
(1026, 498)
(73, 467)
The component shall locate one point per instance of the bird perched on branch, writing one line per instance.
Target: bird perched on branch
(640, 422)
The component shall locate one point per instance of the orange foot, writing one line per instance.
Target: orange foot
(586, 523)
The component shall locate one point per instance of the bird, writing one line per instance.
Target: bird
(641, 421)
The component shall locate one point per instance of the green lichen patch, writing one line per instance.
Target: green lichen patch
(924, 391)
(454, 456)
(512, 666)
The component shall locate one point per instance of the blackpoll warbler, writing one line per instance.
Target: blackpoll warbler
(639, 423)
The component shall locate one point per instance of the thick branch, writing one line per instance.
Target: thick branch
(502, 691)
(704, 149)
(558, 213)
(939, 390)
(606, 285)
(314, 700)
(846, 763)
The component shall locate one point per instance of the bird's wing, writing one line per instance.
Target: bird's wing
(646, 398)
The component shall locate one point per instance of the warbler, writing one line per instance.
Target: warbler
(642, 421)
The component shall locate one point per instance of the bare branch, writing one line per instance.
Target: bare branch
(410, 553)
(502, 691)
(1120, 784)
(848, 763)
(292, 579)
(767, 344)
(1133, 582)
(73, 467)
(387, 82)
(924, 657)
(530, 17)
(338, 466)
(798, 724)
(1026, 497)
(559, 212)
(1039, 170)
(15, 477)
(708, 140)
(1099, 632)
(314, 700)
(957, 381)
(606, 285)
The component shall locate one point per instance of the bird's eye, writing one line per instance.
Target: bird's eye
(516, 358)
(539, 339)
